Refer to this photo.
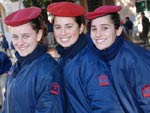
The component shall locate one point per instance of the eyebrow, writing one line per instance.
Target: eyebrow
(65, 24)
(22, 34)
(14, 35)
(101, 25)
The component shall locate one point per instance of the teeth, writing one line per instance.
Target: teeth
(65, 39)
(100, 40)
(22, 48)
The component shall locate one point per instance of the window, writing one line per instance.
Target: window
(142, 5)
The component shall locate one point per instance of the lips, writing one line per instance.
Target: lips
(22, 48)
(100, 40)
(65, 39)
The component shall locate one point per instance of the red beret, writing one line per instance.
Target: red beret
(103, 10)
(66, 9)
(22, 16)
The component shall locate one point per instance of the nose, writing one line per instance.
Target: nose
(63, 31)
(98, 33)
(20, 41)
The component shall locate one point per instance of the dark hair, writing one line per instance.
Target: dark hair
(142, 13)
(80, 20)
(88, 26)
(115, 17)
(39, 24)
(127, 18)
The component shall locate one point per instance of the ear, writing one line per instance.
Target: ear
(119, 31)
(82, 28)
(39, 35)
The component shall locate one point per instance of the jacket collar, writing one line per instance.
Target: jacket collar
(112, 51)
(21, 61)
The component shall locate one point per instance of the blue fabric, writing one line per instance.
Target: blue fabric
(111, 52)
(5, 43)
(35, 86)
(129, 25)
(82, 69)
(5, 63)
(130, 67)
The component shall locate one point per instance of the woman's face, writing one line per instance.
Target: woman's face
(25, 39)
(66, 30)
(103, 32)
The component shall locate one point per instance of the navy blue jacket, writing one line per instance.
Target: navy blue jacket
(5, 63)
(34, 85)
(86, 79)
(130, 67)
(5, 43)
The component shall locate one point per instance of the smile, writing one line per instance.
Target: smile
(100, 40)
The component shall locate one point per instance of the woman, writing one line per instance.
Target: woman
(129, 63)
(34, 83)
(86, 79)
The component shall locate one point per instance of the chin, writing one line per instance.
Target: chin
(101, 48)
(66, 45)
(23, 55)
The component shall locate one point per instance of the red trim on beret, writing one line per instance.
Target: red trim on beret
(66, 9)
(22, 16)
(103, 10)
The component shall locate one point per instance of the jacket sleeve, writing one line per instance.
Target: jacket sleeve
(140, 82)
(49, 93)
(5, 63)
(4, 109)
(101, 94)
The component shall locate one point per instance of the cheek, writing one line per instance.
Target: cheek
(14, 42)
(75, 33)
(56, 33)
(113, 36)
(92, 35)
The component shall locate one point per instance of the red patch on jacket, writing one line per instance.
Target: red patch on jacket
(146, 91)
(103, 80)
(55, 88)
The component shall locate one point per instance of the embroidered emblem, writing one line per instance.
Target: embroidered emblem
(103, 80)
(146, 91)
(54, 88)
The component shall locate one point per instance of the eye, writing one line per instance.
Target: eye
(15, 37)
(69, 26)
(57, 27)
(93, 28)
(25, 36)
(104, 28)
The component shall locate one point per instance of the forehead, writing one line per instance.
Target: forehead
(58, 19)
(22, 28)
(101, 20)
